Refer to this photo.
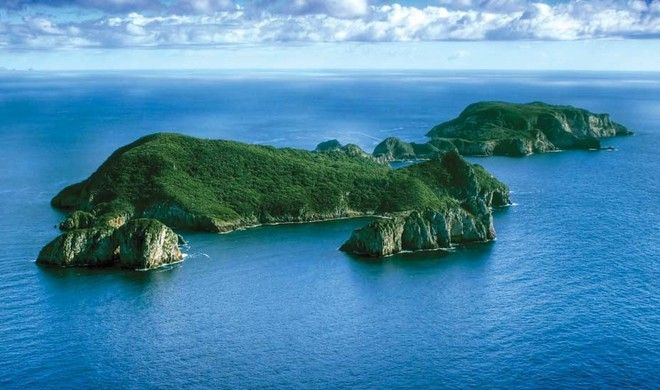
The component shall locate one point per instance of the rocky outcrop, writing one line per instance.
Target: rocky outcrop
(333, 145)
(93, 247)
(78, 220)
(500, 128)
(146, 243)
(138, 244)
(113, 214)
(419, 230)
(394, 149)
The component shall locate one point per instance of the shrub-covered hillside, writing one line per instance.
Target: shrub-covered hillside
(220, 185)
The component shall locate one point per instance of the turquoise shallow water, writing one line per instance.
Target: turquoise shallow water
(567, 297)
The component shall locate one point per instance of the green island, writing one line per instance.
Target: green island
(125, 212)
(508, 129)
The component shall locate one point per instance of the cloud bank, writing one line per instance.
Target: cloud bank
(208, 23)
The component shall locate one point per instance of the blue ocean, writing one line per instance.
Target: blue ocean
(568, 296)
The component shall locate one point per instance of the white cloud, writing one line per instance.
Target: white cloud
(487, 5)
(334, 8)
(221, 22)
(103, 5)
(43, 26)
(203, 6)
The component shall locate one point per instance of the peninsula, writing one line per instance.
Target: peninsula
(124, 213)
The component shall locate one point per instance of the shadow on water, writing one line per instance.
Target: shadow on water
(64, 276)
(471, 255)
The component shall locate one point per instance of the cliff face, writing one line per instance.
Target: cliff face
(138, 244)
(418, 230)
(499, 128)
(94, 247)
(146, 243)
(470, 220)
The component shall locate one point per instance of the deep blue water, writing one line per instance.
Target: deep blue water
(567, 297)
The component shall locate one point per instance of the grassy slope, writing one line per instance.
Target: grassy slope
(229, 180)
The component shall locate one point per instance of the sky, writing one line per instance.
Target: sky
(614, 35)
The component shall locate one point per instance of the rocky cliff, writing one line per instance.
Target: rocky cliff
(137, 244)
(146, 243)
(418, 230)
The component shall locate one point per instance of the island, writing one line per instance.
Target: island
(508, 129)
(126, 212)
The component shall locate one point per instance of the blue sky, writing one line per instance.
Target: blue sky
(356, 34)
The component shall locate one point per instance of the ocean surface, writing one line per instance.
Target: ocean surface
(568, 296)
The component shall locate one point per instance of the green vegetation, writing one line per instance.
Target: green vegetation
(456, 178)
(328, 146)
(393, 148)
(520, 129)
(219, 185)
(334, 146)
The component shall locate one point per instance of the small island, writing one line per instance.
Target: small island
(508, 129)
(124, 213)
